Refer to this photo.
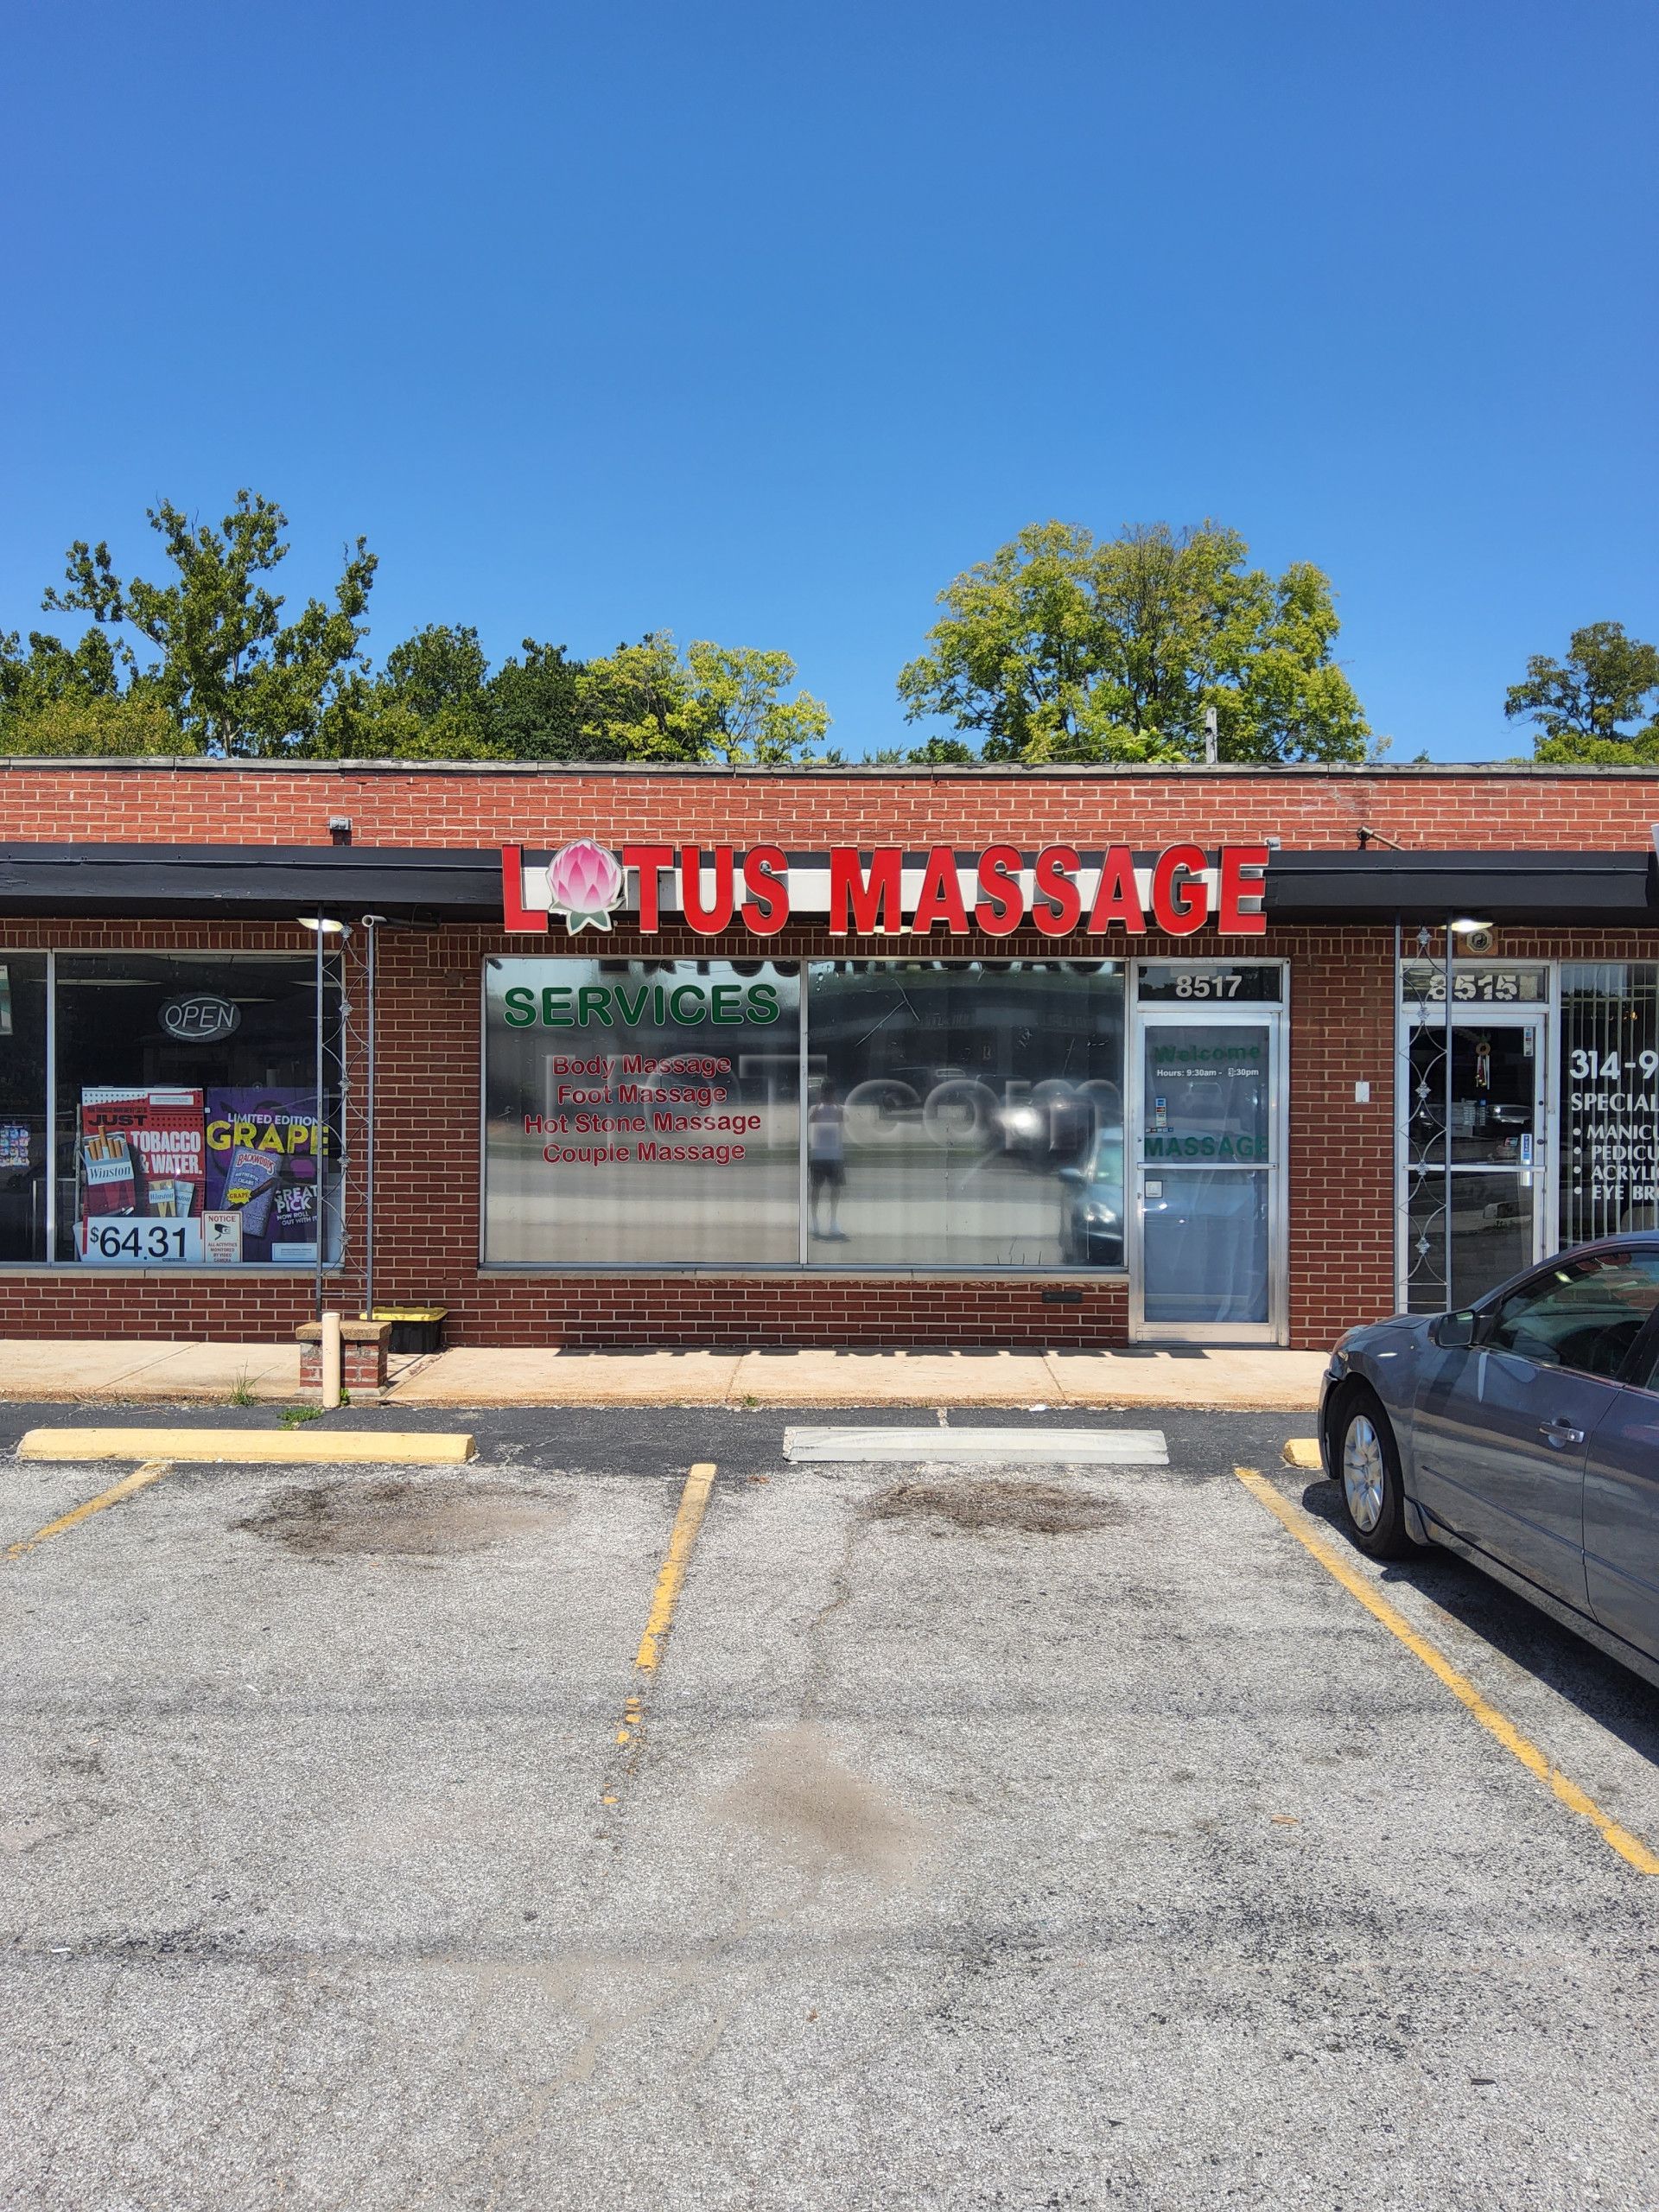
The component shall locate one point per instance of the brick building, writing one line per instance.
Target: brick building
(870, 1057)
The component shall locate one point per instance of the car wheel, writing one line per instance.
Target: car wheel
(1368, 1470)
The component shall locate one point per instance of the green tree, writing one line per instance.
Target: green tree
(736, 695)
(428, 703)
(1580, 705)
(635, 704)
(649, 701)
(84, 727)
(235, 678)
(1063, 647)
(532, 706)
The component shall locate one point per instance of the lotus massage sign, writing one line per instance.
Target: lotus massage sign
(883, 891)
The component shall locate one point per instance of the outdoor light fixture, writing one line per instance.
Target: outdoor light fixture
(1465, 925)
(325, 925)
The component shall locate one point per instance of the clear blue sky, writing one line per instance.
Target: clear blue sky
(759, 323)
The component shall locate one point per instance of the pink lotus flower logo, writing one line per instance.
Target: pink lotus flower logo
(584, 884)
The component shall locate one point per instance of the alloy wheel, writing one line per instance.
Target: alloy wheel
(1364, 1472)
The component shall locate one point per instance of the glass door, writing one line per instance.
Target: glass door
(1473, 1210)
(1207, 1215)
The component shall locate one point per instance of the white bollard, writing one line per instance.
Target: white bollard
(332, 1359)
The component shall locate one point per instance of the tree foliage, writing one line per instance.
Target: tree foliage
(1062, 647)
(235, 678)
(227, 674)
(1582, 705)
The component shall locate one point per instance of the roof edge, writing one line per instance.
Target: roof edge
(1104, 771)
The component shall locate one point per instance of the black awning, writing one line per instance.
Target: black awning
(280, 882)
(1604, 888)
(250, 883)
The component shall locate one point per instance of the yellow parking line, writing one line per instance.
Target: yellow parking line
(694, 1498)
(140, 1478)
(670, 1579)
(1630, 1848)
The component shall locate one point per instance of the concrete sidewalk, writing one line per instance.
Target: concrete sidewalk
(1254, 1380)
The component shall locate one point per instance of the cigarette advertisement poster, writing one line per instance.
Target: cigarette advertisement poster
(154, 1166)
(140, 1171)
(261, 1167)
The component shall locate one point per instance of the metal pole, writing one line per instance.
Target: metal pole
(51, 1253)
(1447, 1168)
(370, 923)
(317, 1159)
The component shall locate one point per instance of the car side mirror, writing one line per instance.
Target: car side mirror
(1068, 1174)
(1454, 1331)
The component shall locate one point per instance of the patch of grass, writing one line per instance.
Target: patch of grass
(297, 1417)
(242, 1391)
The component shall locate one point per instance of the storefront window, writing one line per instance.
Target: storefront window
(641, 1113)
(965, 1115)
(186, 1106)
(23, 1106)
(1609, 1098)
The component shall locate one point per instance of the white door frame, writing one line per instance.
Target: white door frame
(1192, 1013)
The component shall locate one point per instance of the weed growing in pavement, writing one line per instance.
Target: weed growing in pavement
(242, 1392)
(295, 1416)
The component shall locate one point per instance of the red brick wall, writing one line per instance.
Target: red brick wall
(220, 803)
(1341, 1155)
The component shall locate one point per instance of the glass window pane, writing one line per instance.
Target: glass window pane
(1207, 1091)
(1491, 1236)
(23, 1106)
(966, 1115)
(1609, 1098)
(1205, 1246)
(187, 1111)
(641, 1113)
(1587, 1315)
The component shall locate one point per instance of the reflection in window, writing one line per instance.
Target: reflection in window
(1587, 1315)
(23, 1106)
(641, 1113)
(965, 1115)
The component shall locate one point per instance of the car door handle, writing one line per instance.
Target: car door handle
(1560, 1433)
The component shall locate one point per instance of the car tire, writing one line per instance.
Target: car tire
(1367, 1464)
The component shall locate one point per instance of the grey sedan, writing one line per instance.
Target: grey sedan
(1522, 1433)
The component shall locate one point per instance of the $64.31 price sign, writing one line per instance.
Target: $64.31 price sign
(128, 1240)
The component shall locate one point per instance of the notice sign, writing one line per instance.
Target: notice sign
(221, 1238)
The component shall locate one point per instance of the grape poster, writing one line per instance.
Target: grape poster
(262, 1166)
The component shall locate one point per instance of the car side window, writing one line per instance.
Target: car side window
(1584, 1313)
(1645, 1373)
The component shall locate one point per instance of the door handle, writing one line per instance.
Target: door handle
(1560, 1433)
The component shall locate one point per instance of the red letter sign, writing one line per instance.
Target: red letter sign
(1180, 898)
(872, 902)
(1244, 870)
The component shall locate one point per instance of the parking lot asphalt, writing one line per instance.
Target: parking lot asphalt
(1035, 1837)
